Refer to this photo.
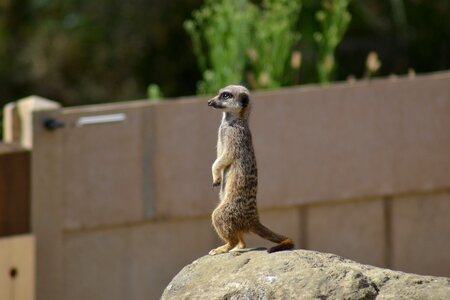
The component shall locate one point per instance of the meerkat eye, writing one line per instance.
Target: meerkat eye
(226, 95)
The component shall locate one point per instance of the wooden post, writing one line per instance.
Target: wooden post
(14, 190)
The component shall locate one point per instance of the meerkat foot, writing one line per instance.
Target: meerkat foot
(238, 247)
(222, 249)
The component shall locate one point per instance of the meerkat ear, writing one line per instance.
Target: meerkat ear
(244, 99)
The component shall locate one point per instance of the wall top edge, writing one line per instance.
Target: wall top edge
(376, 82)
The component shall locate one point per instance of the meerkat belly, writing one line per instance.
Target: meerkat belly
(238, 183)
(235, 215)
(238, 195)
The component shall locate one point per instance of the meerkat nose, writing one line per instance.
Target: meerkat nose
(210, 102)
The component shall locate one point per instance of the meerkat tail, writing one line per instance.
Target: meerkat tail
(284, 243)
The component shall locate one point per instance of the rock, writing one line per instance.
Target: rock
(298, 274)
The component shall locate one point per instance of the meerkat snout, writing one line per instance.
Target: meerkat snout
(211, 102)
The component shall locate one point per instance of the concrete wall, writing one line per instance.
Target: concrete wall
(361, 170)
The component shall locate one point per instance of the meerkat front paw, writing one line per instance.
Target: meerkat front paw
(216, 182)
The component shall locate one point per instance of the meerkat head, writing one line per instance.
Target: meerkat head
(233, 99)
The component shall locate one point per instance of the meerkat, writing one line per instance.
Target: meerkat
(235, 172)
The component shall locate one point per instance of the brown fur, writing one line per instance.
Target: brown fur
(236, 173)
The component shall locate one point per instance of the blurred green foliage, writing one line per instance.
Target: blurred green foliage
(274, 39)
(220, 33)
(81, 52)
(154, 92)
(333, 19)
(232, 38)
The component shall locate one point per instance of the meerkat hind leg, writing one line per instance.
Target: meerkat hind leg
(241, 244)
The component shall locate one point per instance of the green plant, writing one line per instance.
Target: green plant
(275, 37)
(333, 19)
(154, 92)
(229, 37)
(220, 33)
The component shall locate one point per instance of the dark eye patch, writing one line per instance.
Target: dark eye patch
(243, 100)
(226, 95)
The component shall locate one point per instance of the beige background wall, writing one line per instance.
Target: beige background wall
(361, 170)
(17, 267)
